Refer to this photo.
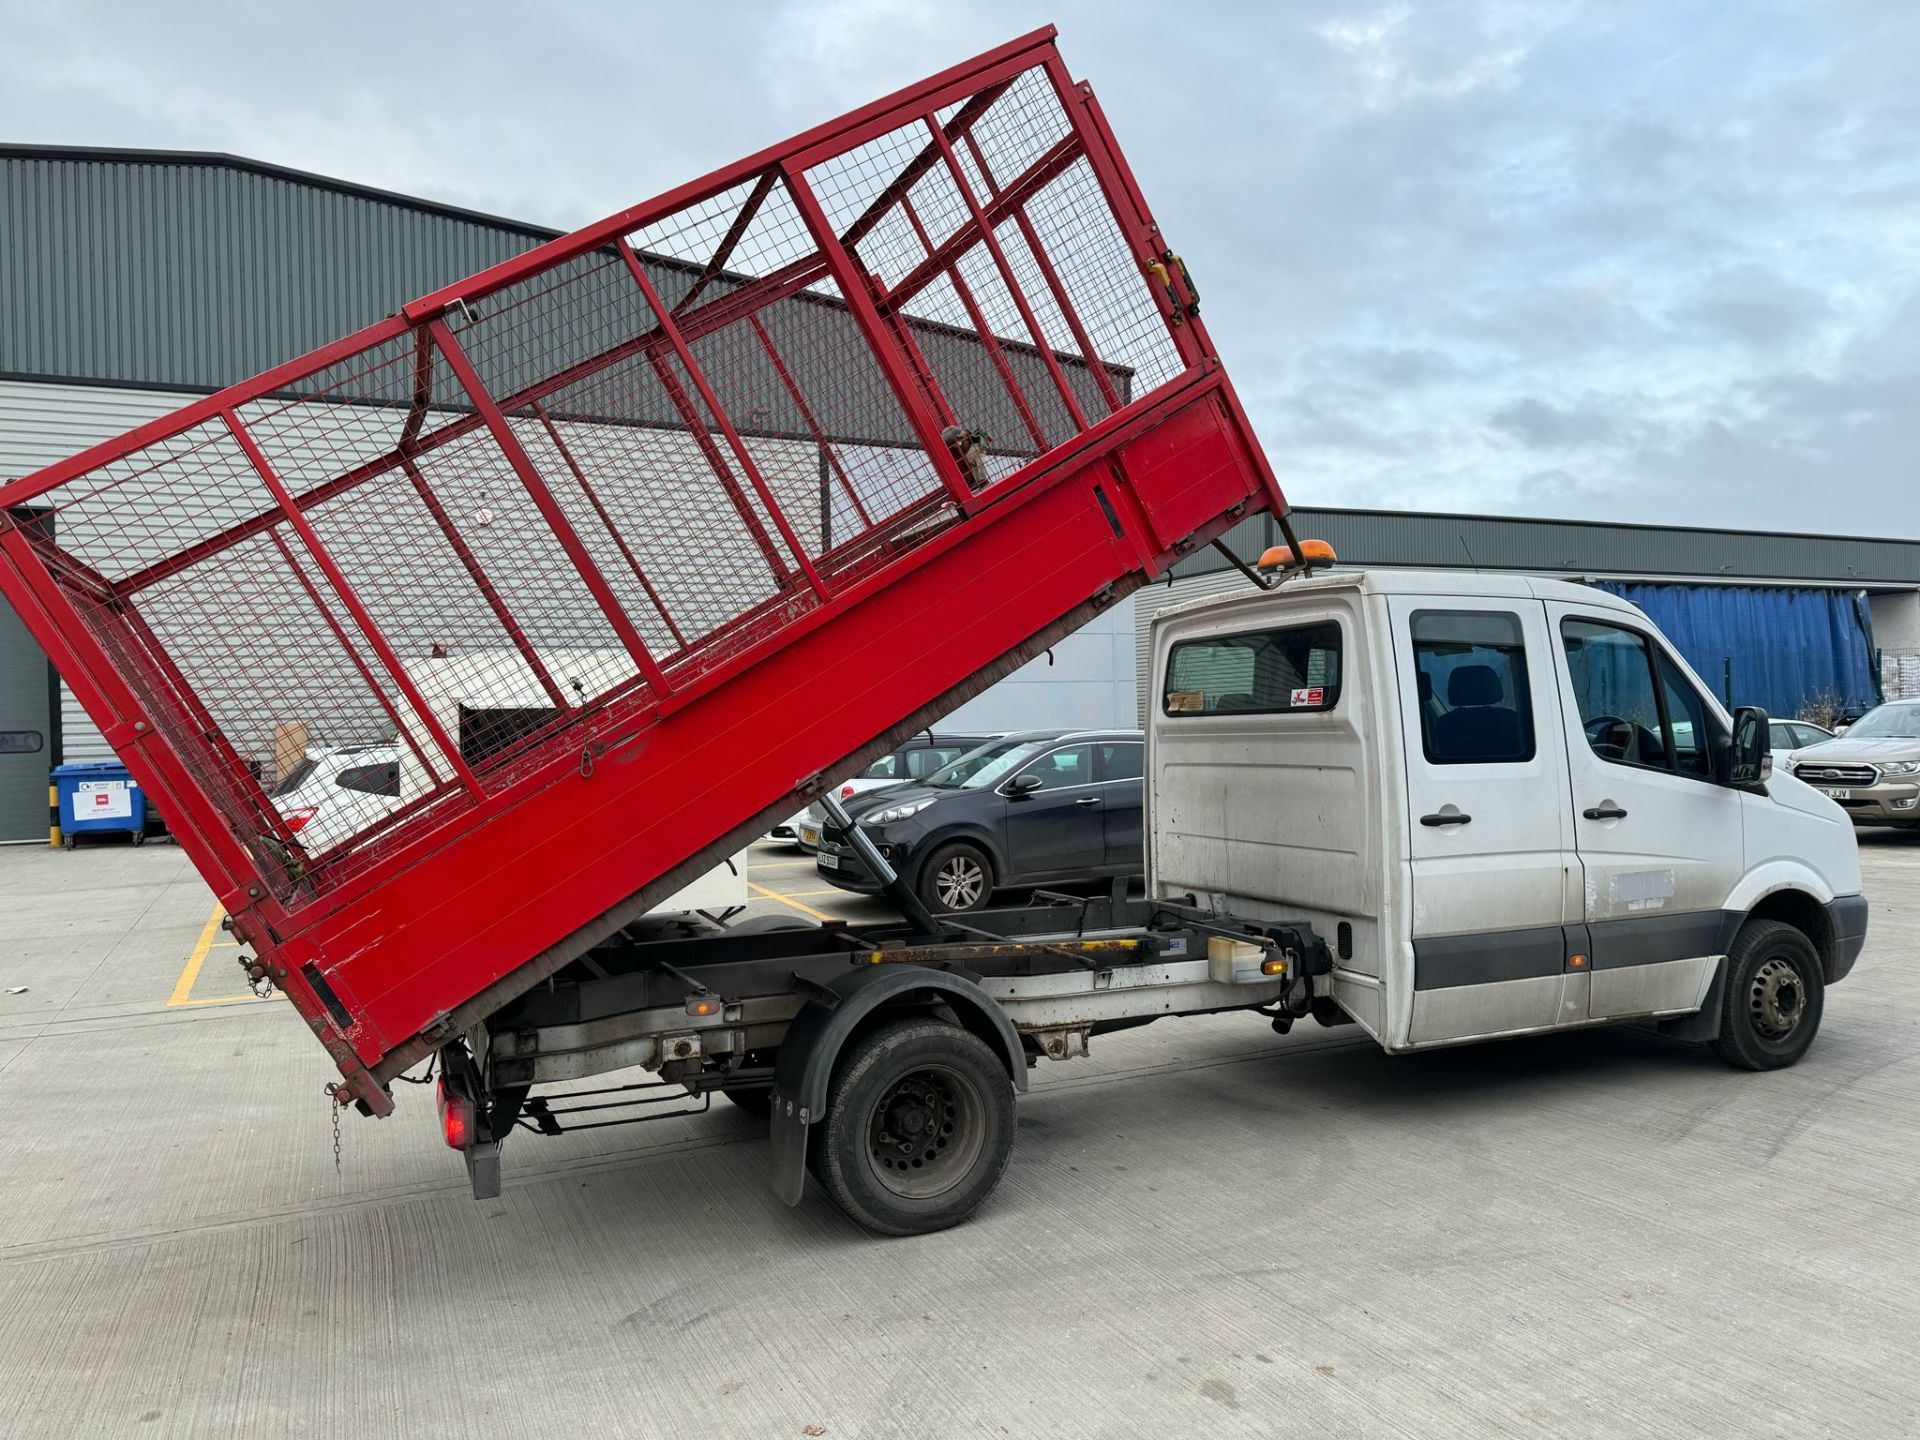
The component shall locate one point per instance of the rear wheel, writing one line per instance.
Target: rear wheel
(1775, 994)
(956, 878)
(918, 1127)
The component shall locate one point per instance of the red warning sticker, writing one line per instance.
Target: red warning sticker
(1315, 696)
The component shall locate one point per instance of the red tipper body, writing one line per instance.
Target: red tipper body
(620, 550)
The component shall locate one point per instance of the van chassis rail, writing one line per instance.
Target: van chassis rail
(743, 1011)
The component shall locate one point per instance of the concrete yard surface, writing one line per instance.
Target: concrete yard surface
(1206, 1230)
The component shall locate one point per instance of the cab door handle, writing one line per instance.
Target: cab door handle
(1087, 802)
(1604, 812)
(1445, 818)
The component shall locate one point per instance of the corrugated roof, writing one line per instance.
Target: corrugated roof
(189, 271)
(1583, 547)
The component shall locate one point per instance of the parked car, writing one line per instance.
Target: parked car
(1036, 808)
(916, 760)
(337, 791)
(1784, 737)
(1873, 770)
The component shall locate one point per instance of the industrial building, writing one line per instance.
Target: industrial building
(136, 280)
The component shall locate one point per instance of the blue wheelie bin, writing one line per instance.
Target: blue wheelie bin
(99, 797)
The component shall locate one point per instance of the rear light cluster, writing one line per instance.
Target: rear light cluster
(456, 1116)
(847, 792)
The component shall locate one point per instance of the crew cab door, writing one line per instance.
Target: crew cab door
(1056, 827)
(1660, 840)
(1493, 871)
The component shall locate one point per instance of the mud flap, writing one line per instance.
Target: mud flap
(483, 1169)
(787, 1142)
(1704, 1023)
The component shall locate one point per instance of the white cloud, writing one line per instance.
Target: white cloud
(1584, 257)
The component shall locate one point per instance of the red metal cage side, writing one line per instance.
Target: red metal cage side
(550, 542)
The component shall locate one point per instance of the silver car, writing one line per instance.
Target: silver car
(1874, 769)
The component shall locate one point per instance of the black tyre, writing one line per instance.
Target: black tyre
(918, 1127)
(957, 877)
(757, 1103)
(1774, 998)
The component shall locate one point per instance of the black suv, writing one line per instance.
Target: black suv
(914, 759)
(1035, 808)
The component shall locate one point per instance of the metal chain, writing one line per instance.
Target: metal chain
(333, 1104)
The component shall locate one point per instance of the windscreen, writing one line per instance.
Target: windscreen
(1889, 722)
(978, 769)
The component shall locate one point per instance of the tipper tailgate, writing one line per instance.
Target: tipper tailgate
(602, 559)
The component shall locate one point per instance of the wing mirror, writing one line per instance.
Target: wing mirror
(1022, 786)
(1748, 761)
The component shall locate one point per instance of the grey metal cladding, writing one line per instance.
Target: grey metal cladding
(1582, 547)
(193, 272)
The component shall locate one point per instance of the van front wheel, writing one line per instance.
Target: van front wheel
(1774, 997)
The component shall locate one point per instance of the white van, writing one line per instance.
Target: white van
(1449, 808)
(1506, 801)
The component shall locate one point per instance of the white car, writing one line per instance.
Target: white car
(1786, 736)
(338, 791)
(920, 757)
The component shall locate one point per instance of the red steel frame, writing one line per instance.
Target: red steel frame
(452, 912)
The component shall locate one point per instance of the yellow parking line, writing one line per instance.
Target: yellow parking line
(789, 902)
(183, 987)
(225, 1000)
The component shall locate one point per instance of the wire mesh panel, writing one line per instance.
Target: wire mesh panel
(453, 646)
(597, 477)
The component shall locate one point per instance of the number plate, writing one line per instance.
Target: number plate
(1835, 794)
(829, 862)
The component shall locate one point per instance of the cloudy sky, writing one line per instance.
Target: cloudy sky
(1658, 261)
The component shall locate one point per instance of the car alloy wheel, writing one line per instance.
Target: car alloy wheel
(960, 882)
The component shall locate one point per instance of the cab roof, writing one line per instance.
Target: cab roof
(1450, 583)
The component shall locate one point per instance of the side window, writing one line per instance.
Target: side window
(1686, 722)
(930, 758)
(1266, 672)
(1072, 765)
(887, 767)
(371, 779)
(294, 778)
(1780, 737)
(1627, 718)
(1475, 706)
(1121, 759)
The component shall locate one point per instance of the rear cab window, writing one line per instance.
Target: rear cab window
(1262, 672)
(1475, 704)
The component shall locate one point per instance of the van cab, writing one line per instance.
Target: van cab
(1508, 802)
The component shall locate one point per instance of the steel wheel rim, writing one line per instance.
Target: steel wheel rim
(1777, 1000)
(959, 882)
(926, 1132)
